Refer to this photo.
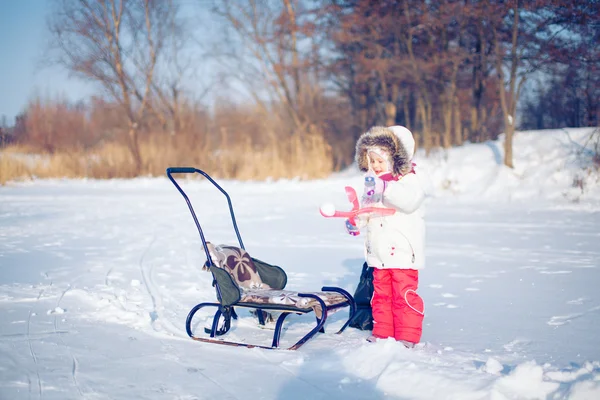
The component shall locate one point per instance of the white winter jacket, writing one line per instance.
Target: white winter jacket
(398, 240)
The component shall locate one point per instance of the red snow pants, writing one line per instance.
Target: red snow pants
(397, 308)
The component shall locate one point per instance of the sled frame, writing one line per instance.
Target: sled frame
(228, 311)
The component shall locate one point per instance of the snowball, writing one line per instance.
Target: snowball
(135, 283)
(493, 366)
(328, 209)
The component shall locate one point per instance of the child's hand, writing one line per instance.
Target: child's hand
(379, 189)
(352, 229)
(374, 188)
(369, 189)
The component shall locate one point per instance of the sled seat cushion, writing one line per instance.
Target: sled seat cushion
(234, 271)
(291, 300)
(243, 279)
(238, 264)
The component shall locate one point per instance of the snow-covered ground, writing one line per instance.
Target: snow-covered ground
(97, 277)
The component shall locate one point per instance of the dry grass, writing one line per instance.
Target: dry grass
(305, 155)
(12, 168)
(247, 142)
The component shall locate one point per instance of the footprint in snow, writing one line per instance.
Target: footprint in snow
(449, 295)
(564, 319)
(559, 320)
(555, 272)
(516, 344)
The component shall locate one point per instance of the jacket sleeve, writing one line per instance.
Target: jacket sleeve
(406, 195)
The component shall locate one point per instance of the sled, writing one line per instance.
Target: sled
(243, 281)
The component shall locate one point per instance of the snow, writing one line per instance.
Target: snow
(97, 278)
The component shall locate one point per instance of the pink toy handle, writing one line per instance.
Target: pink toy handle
(356, 210)
(352, 197)
(367, 210)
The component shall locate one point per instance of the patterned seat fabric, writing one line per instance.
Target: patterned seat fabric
(238, 263)
(289, 298)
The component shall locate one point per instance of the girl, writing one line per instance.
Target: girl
(394, 245)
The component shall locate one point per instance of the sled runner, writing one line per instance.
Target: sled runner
(243, 281)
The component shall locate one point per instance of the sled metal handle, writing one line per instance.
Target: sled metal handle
(191, 170)
(181, 170)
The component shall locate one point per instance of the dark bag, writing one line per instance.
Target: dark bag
(363, 319)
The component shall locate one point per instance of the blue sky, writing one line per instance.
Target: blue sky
(23, 43)
(23, 38)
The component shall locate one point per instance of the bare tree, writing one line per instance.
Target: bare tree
(403, 59)
(526, 36)
(510, 97)
(116, 44)
(186, 61)
(269, 51)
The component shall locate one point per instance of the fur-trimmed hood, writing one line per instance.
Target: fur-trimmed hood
(397, 141)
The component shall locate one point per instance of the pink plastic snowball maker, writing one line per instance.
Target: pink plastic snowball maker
(329, 211)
